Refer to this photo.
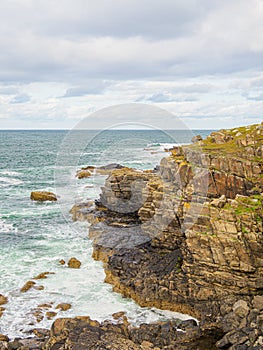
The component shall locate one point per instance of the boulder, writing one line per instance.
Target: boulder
(219, 202)
(4, 338)
(42, 196)
(63, 306)
(27, 286)
(74, 263)
(197, 138)
(258, 302)
(83, 173)
(3, 299)
(241, 308)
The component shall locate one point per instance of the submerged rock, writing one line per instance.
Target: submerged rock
(42, 196)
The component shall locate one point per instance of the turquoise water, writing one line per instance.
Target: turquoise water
(35, 236)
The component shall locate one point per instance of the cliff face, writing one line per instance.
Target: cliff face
(188, 237)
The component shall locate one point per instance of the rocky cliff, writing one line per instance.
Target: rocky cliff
(188, 236)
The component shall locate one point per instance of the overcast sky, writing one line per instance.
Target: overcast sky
(202, 60)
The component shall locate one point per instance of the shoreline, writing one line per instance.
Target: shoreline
(183, 244)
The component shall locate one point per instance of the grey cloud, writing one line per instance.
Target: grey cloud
(160, 97)
(155, 19)
(127, 40)
(8, 91)
(255, 98)
(21, 98)
(164, 97)
(91, 88)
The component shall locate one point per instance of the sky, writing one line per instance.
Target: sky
(61, 62)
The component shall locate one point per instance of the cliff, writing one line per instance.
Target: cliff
(186, 237)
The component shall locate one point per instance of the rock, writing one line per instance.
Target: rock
(118, 315)
(258, 302)
(39, 287)
(50, 314)
(219, 202)
(62, 262)
(27, 286)
(44, 306)
(241, 308)
(3, 299)
(4, 338)
(42, 196)
(63, 306)
(2, 309)
(81, 174)
(197, 138)
(43, 275)
(107, 169)
(82, 211)
(74, 263)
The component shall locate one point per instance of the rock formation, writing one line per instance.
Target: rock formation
(42, 196)
(188, 237)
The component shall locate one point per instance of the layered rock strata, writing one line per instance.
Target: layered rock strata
(188, 237)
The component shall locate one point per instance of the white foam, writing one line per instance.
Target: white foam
(4, 227)
(10, 173)
(7, 181)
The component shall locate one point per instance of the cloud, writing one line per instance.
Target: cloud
(168, 52)
(255, 98)
(8, 91)
(92, 88)
(171, 39)
(20, 98)
(166, 97)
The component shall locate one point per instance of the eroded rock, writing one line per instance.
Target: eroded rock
(42, 196)
(74, 263)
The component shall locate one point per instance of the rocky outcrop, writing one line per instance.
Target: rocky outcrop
(84, 333)
(42, 196)
(74, 263)
(194, 243)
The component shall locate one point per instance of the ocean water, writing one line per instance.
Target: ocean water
(35, 236)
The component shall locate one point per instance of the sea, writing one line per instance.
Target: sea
(35, 236)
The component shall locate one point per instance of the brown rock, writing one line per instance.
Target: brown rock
(3, 299)
(2, 309)
(197, 138)
(44, 306)
(63, 306)
(74, 263)
(62, 262)
(42, 196)
(43, 275)
(4, 338)
(241, 308)
(258, 302)
(82, 174)
(27, 286)
(50, 315)
(118, 315)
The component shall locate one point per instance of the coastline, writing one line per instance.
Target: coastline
(209, 267)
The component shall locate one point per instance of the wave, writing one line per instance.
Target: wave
(8, 181)
(5, 228)
(10, 173)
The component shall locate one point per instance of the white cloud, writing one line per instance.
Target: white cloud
(197, 58)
